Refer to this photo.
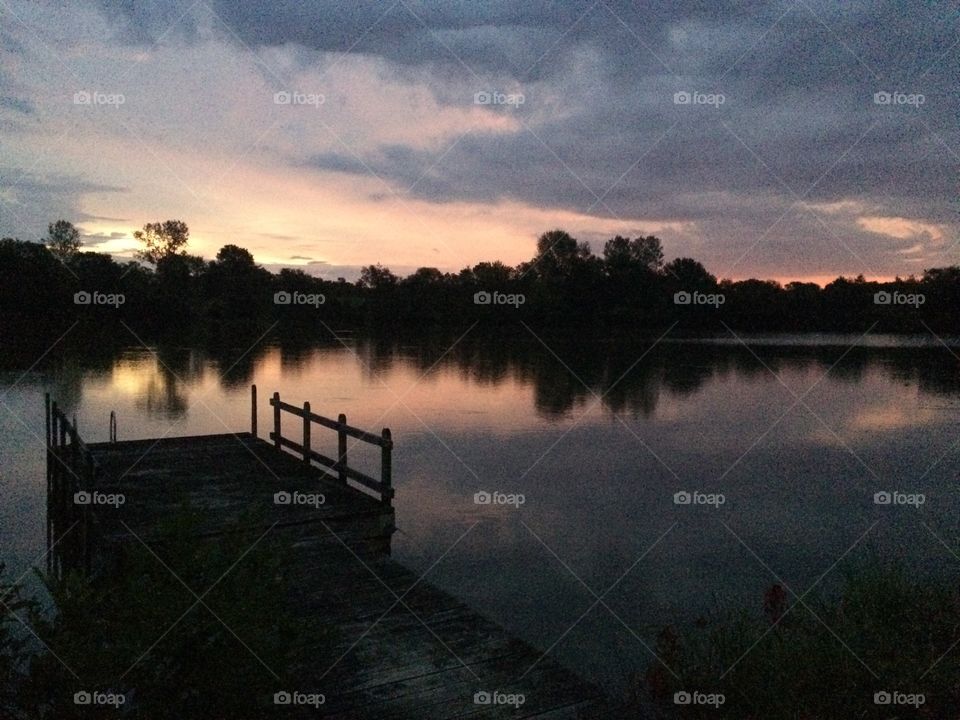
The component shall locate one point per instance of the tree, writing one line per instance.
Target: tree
(690, 273)
(161, 240)
(235, 256)
(622, 255)
(377, 277)
(63, 239)
(560, 257)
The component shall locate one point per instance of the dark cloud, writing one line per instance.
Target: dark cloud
(16, 104)
(799, 121)
(29, 201)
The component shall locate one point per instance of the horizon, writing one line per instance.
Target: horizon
(352, 273)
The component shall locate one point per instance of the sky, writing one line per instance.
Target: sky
(786, 140)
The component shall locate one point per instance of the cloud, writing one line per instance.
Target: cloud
(902, 228)
(798, 171)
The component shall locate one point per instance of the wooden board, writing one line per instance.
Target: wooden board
(422, 657)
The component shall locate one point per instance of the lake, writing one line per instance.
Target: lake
(780, 447)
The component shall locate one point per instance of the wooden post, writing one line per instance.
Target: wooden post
(276, 420)
(386, 462)
(342, 448)
(253, 410)
(306, 432)
(87, 533)
(75, 459)
(54, 424)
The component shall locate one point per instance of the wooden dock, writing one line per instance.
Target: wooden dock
(403, 648)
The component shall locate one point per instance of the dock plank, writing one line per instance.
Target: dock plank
(423, 657)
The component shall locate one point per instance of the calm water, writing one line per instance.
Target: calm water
(598, 474)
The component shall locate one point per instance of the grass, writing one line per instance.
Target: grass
(827, 657)
(144, 633)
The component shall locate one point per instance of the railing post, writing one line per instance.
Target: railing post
(54, 424)
(253, 410)
(74, 449)
(386, 463)
(276, 420)
(87, 529)
(306, 432)
(342, 448)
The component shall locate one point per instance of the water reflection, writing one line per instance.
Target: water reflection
(517, 415)
(561, 377)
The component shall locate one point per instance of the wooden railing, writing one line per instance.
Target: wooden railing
(71, 469)
(383, 487)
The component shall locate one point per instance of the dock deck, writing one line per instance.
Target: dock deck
(402, 647)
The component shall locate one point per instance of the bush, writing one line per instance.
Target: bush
(142, 632)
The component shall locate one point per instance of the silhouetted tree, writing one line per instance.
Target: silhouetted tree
(377, 277)
(690, 274)
(161, 240)
(621, 255)
(63, 239)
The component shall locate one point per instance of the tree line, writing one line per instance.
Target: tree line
(47, 286)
